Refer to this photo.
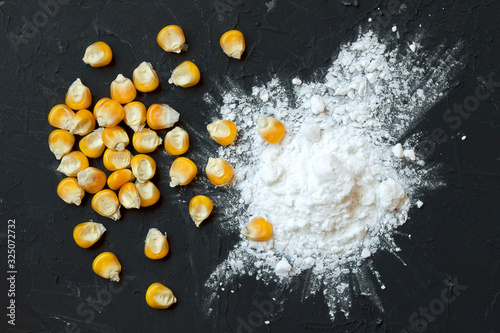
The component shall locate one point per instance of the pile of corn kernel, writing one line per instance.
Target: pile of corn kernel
(131, 175)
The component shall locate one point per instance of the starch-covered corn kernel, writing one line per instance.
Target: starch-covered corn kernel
(120, 177)
(122, 90)
(60, 116)
(143, 167)
(258, 230)
(177, 141)
(159, 297)
(156, 244)
(69, 190)
(108, 112)
(116, 160)
(135, 115)
(271, 129)
(91, 144)
(161, 116)
(61, 142)
(78, 96)
(182, 171)
(200, 208)
(185, 75)
(105, 203)
(72, 163)
(145, 78)
(87, 234)
(92, 180)
(98, 54)
(233, 43)
(115, 138)
(148, 192)
(146, 141)
(106, 265)
(129, 196)
(219, 172)
(222, 131)
(171, 39)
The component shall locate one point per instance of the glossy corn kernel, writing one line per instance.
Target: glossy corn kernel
(258, 230)
(92, 180)
(182, 171)
(98, 54)
(271, 129)
(106, 265)
(146, 141)
(108, 112)
(200, 208)
(222, 131)
(123, 90)
(135, 115)
(161, 116)
(156, 245)
(177, 141)
(145, 78)
(60, 116)
(115, 138)
(106, 203)
(119, 178)
(129, 196)
(69, 190)
(233, 43)
(171, 39)
(148, 192)
(219, 172)
(185, 75)
(82, 123)
(143, 167)
(91, 144)
(87, 234)
(78, 96)
(61, 142)
(160, 297)
(116, 160)
(72, 163)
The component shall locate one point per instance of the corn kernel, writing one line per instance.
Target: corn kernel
(115, 138)
(161, 116)
(135, 115)
(148, 192)
(69, 190)
(78, 96)
(87, 234)
(222, 131)
(171, 39)
(143, 167)
(146, 141)
(119, 178)
(258, 230)
(116, 160)
(200, 208)
(145, 78)
(60, 116)
(219, 172)
(271, 129)
(106, 265)
(92, 180)
(182, 171)
(156, 245)
(160, 297)
(61, 142)
(233, 43)
(82, 123)
(98, 54)
(123, 90)
(185, 75)
(105, 203)
(91, 144)
(129, 196)
(108, 112)
(73, 163)
(177, 141)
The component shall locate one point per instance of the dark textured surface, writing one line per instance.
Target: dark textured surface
(454, 237)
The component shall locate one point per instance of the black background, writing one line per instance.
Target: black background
(454, 236)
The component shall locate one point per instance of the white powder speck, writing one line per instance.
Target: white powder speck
(419, 204)
(394, 28)
(464, 137)
(397, 150)
(317, 104)
(413, 47)
(296, 81)
(410, 154)
(283, 267)
(267, 322)
(366, 253)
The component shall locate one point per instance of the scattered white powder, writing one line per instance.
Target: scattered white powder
(419, 204)
(464, 137)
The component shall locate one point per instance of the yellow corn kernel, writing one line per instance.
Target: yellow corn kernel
(78, 96)
(182, 171)
(105, 203)
(177, 141)
(146, 141)
(258, 230)
(143, 167)
(98, 54)
(119, 178)
(108, 112)
(123, 90)
(161, 116)
(129, 196)
(69, 190)
(61, 142)
(156, 245)
(148, 192)
(160, 297)
(271, 129)
(87, 234)
(135, 115)
(233, 43)
(82, 123)
(106, 265)
(145, 78)
(72, 163)
(222, 131)
(116, 160)
(60, 116)
(115, 138)
(92, 180)
(185, 75)
(91, 144)
(171, 39)
(219, 172)
(200, 208)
